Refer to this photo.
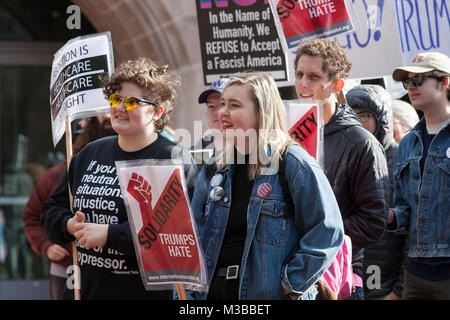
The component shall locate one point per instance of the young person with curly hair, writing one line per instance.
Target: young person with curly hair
(355, 163)
(141, 94)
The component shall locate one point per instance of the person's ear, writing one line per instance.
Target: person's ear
(445, 83)
(338, 85)
(158, 112)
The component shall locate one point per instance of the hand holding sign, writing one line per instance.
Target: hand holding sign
(90, 235)
(72, 223)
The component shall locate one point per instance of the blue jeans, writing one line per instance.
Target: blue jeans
(358, 294)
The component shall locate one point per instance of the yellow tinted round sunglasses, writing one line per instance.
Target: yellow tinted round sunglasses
(130, 103)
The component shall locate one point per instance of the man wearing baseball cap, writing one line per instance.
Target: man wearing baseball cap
(204, 148)
(211, 98)
(422, 178)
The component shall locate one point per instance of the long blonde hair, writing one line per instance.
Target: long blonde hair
(272, 128)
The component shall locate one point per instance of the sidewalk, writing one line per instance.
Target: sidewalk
(35, 289)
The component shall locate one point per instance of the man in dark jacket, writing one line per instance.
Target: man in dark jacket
(385, 259)
(355, 163)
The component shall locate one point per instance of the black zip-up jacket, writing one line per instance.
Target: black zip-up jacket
(391, 251)
(355, 165)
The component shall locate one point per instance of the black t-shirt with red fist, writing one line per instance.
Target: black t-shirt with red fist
(110, 272)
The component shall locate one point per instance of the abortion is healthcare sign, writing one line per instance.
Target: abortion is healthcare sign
(302, 20)
(305, 124)
(162, 224)
(75, 88)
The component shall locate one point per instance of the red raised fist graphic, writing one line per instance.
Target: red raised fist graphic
(140, 189)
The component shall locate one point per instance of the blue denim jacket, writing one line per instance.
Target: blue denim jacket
(282, 254)
(422, 203)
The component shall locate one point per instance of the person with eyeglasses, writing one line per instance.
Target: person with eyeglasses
(141, 94)
(373, 106)
(422, 178)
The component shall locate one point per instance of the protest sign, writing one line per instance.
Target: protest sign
(162, 224)
(423, 26)
(373, 47)
(75, 88)
(302, 20)
(238, 36)
(305, 124)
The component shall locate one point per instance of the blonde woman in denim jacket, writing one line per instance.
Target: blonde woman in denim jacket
(255, 244)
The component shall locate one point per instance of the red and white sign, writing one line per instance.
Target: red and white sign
(302, 20)
(304, 122)
(162, 225)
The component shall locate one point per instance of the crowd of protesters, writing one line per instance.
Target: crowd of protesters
(271, 221)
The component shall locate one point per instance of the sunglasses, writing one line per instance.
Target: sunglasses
(418, 79)
(130, 103)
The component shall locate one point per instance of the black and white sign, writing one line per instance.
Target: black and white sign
(239, 36)
(75, 88)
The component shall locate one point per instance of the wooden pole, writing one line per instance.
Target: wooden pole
(69, 153)
(181, 291)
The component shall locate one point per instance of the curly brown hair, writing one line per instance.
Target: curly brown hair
(335, 60)
(157, 83)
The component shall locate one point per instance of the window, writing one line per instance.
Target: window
(30, 33)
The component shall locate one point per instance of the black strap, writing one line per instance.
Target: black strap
(289, 209)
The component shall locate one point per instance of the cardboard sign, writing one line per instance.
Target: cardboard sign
(305, 125)
(238, 36)
(302, 20)
(75, 88)
(161, 224)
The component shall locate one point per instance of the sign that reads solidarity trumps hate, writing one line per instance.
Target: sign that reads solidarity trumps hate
(161, 223)
(75, 88)
(304, 122)
(237, 36)
(302, 20)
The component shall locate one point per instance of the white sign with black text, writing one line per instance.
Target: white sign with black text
(75, 87)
